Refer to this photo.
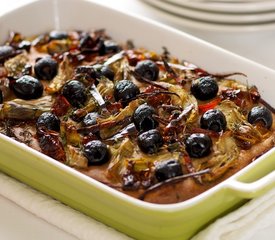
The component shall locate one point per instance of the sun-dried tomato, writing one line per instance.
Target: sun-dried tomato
(156, 100)
(50, 144)
(60, 106)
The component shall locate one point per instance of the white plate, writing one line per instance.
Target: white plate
(212, 17)
(217, 27)
(228, 6)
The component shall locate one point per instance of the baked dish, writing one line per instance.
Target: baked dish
(148, 124)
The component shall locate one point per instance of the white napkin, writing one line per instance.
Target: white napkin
(258, 215)
(241, 224)
(56, 213)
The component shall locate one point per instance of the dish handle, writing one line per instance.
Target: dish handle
(253, 189)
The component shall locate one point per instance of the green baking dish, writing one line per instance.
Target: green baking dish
(136, 218)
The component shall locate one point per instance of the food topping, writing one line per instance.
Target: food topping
(150, 125)
(75, 92)
(46, 68)
(168, 169)
(147, 69)
(49, 121)
(27, 87)
(96, 152)
(150, 141)
(213, 120)
(260, 115)
(204, 88)
(198, 145)
(143, 118)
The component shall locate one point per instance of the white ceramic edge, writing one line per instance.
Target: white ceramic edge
(215, 17)
(250, 7)
(227, 28)
(122, 196)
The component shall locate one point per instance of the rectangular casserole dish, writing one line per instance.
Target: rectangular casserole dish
(138, 219)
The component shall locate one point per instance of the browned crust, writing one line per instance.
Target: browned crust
(189, 188)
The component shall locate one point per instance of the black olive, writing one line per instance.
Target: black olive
(49, 121)
(150, 141)
(90, 119)
(86, 42)
(198, 145)
(107, 72)
(147, 69)
(28, 87)
(26, 45)
(6, 52)
(89, 73)
(58, 35)
(143, 118)
(74, 91)
(204, 88)
(96, 152)
(260, 114)
(46, 68)
(125, 90)
(214, 120)
(111, 46)
(168, 169)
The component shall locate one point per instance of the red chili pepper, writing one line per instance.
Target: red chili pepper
(210, 105)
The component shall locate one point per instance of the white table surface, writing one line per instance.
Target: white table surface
(19, 224)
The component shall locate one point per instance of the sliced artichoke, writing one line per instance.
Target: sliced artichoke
(25, 109)
(75, 158)
(226, 152)
(65, 73)
(16, 65)
(242, 130)
(124, 114)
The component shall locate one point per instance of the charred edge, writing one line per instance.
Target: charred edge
(170, 181)
(169, 69)
(227, 75)
(143, 79)
(151, 94)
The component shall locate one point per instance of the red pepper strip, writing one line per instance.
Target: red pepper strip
(210, 105)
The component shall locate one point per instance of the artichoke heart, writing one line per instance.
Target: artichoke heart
(25, 109)
(183, 99)
(16, 65)
(64, 74)
(106, 88)
(120, 120)
(75, 158)
(242, 130)
(127, 152)
(226, 154)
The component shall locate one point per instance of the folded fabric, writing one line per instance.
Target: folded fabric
(244, 223)
(241, 224)
(56, 213)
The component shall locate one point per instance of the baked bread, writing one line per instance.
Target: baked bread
(147, 124)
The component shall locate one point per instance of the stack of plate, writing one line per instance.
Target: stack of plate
(219, 14)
